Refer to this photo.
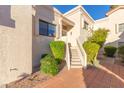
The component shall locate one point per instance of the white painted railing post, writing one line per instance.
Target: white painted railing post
(82, 53)
(67, 53)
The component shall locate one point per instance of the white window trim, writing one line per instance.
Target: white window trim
(118, 27)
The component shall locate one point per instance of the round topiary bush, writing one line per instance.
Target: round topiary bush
(110, 51)
(58, 49)
(43, 55)
(49, 65)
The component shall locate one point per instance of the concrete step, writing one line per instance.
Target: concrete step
(75, 59)
(76, 66)
(74, 51)
(74, 56)
(75, 63)
(73, 47)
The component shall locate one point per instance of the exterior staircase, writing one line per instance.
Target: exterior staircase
(75, 58)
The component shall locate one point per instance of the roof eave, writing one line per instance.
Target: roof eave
(115, 9)
(76, 8)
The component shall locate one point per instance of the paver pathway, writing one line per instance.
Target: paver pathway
(106, 76)
(65, 79)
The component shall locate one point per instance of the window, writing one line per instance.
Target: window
(64, 31)
(51, 30)
(121, 27)
(46, 28)
(85, 25)
(43, 27)
(120, 44)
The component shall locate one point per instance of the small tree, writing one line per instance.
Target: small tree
(113, 6)
(99, 36)
(93, 45)
(91, 51)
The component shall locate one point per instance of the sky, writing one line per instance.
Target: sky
(95, 11)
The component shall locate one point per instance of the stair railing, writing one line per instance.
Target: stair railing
(68, 53)
(82, 53)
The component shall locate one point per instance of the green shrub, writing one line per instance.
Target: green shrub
(43, 55)
(121, 52)
(99, 36)
(110, 51)
(49, 65)
(91, 50)
(58, 49)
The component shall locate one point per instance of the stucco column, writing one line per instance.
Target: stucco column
(117, 28)
(60, 28)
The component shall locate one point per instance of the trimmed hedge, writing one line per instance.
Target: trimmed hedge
(43, 55)
(110, 51)
(94, 43)
(121, 52)
(91, 50)
(99, 36)
(49, 65)
(58, 49)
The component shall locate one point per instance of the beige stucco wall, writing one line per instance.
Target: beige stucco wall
(111, 23)
(78, 17)
(15, 42)
(101, 23)
(84, 34)
(75, 31)
(41, 43)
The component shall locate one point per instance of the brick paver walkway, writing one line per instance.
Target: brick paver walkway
(65, 79)
(106, 76)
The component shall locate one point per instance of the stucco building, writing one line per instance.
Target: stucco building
(114, 21)
(26, 31)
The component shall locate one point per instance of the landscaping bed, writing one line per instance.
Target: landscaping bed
(51, 64)
(30, 81)
(33, 79)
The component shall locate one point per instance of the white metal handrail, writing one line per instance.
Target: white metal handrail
(82, 53)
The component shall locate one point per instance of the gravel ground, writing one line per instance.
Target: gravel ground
(33, 79)
(30, 81)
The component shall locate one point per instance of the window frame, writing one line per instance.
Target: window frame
(85, 25)
(48, 23)
(120, 43)
(121, 28)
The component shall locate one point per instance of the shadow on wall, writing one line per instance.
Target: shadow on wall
(23, 75)
(115, 43)
(40, 43)
(5, 16)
